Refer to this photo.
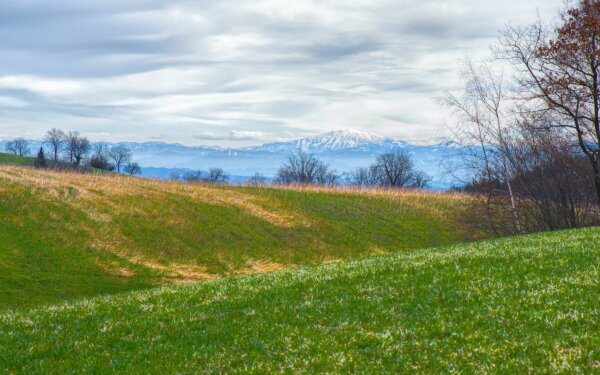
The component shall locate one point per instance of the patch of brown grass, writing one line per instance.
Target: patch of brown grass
(259, 266)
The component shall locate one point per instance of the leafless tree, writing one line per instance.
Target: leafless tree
(396, 168)
(216, 176)
(485, 121)
(132, 169)
(559, 72)
(392, 169)
(77, 148)
(257, 180)
(56, 138)
(99, 158)
(552, 177)
(305, 169)
(19, 147)
(120, 155)
(213, 176)
(193, 176)
(366, 176)
(549, 176)
(326, 176)
(420, 180)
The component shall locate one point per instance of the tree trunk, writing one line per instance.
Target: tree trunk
(514, 207)
(597, 182)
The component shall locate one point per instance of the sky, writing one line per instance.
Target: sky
(237, 72)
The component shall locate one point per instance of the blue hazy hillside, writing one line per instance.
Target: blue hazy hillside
(344, 150)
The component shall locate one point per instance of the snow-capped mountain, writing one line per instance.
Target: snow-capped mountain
(337, 140)
(344, 150)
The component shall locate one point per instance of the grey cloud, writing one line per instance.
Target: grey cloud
(342, 47)
(235, 135)
(237, 71)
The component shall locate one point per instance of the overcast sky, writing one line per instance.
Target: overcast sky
(237, 72)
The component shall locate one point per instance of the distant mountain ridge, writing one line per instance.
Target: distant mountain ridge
(337, 140)
(344, 150)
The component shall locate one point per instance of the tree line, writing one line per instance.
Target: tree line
(394, 169)
(72, 150)
(528, 123)
(213, 176)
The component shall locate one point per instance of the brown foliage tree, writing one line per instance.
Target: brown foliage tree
(560, 73)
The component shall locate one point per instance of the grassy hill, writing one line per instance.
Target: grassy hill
(9, 159)
(519, 305)
(69, 235)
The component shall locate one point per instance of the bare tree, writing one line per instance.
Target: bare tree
(77, 148)
(391, 169)
(257, 180)
(56, 138)
(120, 155)
(395, 168)
(552, 177)
(19, 147)
(559, 71)
(216, 176)
(420, 180)
(213, 176)
(326, 176)
(132, 169)
(99, 158)
(304, 168)
(366, 176)
(485, 122)
(193, 176)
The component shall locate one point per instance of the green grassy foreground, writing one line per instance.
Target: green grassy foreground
(67, 235)
(519, 305)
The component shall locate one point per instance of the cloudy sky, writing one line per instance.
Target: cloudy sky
(237, 72)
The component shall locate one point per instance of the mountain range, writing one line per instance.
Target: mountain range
(344, 150)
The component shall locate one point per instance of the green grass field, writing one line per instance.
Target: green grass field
(518, 305)
(65, 236)
(9, 159)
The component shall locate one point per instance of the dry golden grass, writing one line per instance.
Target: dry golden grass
(418, 199)
(105, 188)
(66, 185)
(258, 266)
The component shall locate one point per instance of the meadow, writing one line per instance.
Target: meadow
(106, 273)
(67, 235)
(519, 305)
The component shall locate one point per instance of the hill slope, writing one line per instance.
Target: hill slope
(9, 159)
(519, 305)
(68, 235)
